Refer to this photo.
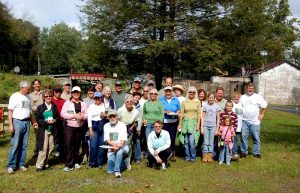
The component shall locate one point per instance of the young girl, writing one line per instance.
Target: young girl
(227, 133)
(209, 124)
(238, 109)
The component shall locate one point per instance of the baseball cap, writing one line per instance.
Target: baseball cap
(76, 88)
(118, 82)
(137, 79)
(97, 94)
(111, 112)
(150, 82)
(167, 88)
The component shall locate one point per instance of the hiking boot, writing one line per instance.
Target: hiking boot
(209, 157)
(204, 158)
(173, 159)
(235, 157)
(243, 155)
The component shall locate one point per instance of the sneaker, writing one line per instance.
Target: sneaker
(117, 174)
(100, 167)
(10, 170)
(173, 159)
(67, 169)
(77, 166)
(235, 157)
(220, 162)
(23, 169)
(163, 166)
(56, 154)
(128, 166)
(228, 163)
(257, 156)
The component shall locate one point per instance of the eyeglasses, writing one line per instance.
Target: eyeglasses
(145, 91)
(153, 94)
(47, 96)
(129, 101)
(191, 92)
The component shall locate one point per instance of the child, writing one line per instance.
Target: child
(226, 132)
(238, 109)
(209, 124)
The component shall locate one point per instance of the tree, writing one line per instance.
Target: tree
(60, 44)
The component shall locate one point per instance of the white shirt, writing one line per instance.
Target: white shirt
(20, 105)
(181, 98)
(238, 109)
(128, 117)
(115, 133)
(251, 107)
(94, 113)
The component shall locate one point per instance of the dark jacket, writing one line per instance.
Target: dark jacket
(43, 124)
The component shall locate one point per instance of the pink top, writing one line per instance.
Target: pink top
(68, 113)
(229, 134)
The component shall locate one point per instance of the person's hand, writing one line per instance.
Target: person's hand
(158, 160)
(103, 114)
(116, 148)
(155, 153)
(216, 133)
(202, 131)
(91, 134)
(179, 128)
(11, 129)
(35, 125)
(197, 128)
(260, 117)
(138, 133)
(167, 112)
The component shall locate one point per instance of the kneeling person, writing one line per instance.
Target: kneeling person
(159, 143)
(115, 135)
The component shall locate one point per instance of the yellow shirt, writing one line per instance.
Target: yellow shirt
(191, 109)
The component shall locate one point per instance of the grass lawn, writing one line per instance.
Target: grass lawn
(277, 171)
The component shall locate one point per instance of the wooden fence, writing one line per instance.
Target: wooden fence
(4, 121)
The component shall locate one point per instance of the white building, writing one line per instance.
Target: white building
(278, 83)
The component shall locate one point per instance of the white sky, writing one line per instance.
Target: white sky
(46, 13)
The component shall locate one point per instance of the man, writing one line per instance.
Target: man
(19, 117)
(59, 142)
(66, 94)
(168, 82)
(118, 96)
(109, 103)
(136, 86)
(150, 84)
(159, 146)
(219, 98)
(129, 115)
(254, 108)
(99, 86)
(144, 97)
(36, 98)
(115, 135)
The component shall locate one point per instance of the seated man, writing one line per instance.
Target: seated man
(115, 135)
(159, 143)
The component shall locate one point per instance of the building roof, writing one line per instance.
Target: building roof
(271, 66)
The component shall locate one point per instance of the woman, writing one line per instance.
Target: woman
(47, 116)
(96, 134)
(171, 111)
(75, 113)
(178, 90)
(153, 110)
(189, 123)
(202, 96)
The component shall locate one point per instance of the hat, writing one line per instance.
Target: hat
(67, 83)
(111, 112)
(76, 88)
(57, 88)
(137, 79)
(150, 82)
(178, 86)
(118, 82)
(167, 88)
(97, 94)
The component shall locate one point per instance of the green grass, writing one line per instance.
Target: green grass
(277, 171)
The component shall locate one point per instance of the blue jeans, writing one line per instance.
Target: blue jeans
(190, 147)
(96, 152)
(116, 161)
(137, 147)
(255, 132)
(224, 150)
(18, 144)
(209, 134)
(236, 143)
(148, 130)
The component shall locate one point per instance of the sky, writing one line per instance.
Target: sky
(46, 13)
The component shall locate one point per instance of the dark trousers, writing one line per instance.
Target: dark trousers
(143, 139)
(172, 129)
(96, 152)
(73, 141)
(164, 156)
(59, 140)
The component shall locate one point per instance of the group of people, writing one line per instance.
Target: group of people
(119, 128)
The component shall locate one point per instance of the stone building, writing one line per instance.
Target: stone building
(278, 83)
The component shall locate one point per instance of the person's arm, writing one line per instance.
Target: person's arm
(181, 115)
(262, 114)
(144, 114)
(11, 126)
(149, 144)
(40, 118)
(162, 111)
(218, 122)
(64, 112)
(198, 117)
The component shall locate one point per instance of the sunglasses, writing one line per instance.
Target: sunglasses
(191, 92)
(153, 94)
(145, 91)
(48, 96)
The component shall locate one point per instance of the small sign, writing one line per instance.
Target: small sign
(17, 69)
(115, 75)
